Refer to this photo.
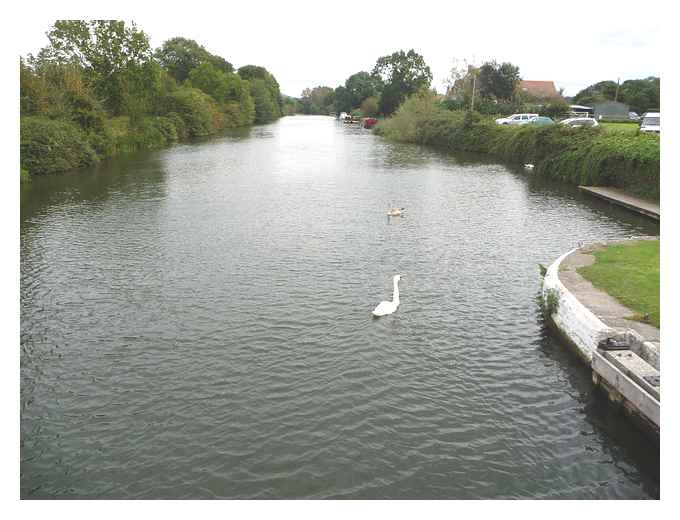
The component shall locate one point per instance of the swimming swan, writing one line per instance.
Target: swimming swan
(395, 212)
(385, 308)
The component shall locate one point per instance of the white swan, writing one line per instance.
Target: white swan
(395, 212)
(385, 308)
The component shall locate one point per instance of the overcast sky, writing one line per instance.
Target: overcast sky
(305, 44)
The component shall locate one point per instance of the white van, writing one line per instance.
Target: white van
(516, 119)
(651, 123)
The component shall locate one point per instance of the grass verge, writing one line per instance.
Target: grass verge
(624, 128)
(630, 273)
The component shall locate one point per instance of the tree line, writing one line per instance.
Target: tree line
(98, 88)
(393, 78)
(641, 95)
(491, 88)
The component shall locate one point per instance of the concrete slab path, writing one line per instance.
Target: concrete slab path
(617, 196)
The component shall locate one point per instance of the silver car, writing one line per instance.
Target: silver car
(581, 122)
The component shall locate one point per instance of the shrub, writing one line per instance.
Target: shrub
(167, 128)
(369, 106)
(49, 146)
(178, 123)
(198, 110)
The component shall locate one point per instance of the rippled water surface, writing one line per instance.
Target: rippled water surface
(195, 322)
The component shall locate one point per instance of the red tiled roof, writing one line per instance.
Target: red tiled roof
(541, 89)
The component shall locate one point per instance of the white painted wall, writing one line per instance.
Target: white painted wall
(573, 319)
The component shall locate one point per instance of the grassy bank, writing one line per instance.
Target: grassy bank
(625, 128)
(580, 156)
(630, 273)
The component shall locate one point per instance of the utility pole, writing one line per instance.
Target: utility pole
(474, 81)
(616, 96)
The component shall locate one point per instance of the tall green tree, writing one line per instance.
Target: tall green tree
(401, 74)
(360, 86)
(179, 56)
(254, 72)
(342, 100)
(497, 81)
(265, 106)
(318, 100)
(222, 86)
(600, 91)
(107, 50)
(641, 95)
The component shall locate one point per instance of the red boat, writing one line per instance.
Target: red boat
(370, 122)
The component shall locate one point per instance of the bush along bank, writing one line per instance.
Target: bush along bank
(97, 90)
(580, 156)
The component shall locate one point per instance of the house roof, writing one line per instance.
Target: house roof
(541, 89)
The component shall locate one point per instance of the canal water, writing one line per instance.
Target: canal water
(196, 322)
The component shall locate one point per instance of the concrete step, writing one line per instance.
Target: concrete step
(644, 374)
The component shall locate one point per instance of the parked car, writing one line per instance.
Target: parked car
(581, 122)
(541, 121)
(651, 123)
(516, 119)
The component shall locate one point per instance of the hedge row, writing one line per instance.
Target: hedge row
(51, 145)
(595, 157)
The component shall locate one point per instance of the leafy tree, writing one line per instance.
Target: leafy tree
(497, 80)
(342, 100)
(601, 91)
(266, 109)
(105, 49)
(179, 56)
(33, 92)
(254, 72)
(402, 74)
(220, 85)
(459, 81)
(319, 100)
(142, 87)
(60, 91)
(291, 106)
(641, 94)
(361, 86)
(241, 112)
(369, 106)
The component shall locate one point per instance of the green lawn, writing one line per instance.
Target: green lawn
(630, 273)
(626, 128)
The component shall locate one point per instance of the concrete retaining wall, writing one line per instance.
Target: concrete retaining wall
(571, 317)
(584, 330)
